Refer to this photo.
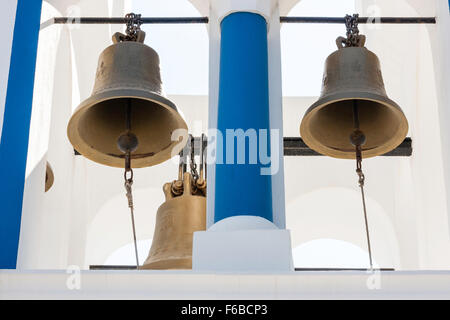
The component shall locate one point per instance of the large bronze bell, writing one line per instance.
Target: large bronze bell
(352, 79)
(176, 221)
(127, 81)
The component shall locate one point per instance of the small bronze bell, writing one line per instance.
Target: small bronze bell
(49, 177)
(352, 81)
(176, 221)
(127, 89)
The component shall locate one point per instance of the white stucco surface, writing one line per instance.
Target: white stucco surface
(238, 286)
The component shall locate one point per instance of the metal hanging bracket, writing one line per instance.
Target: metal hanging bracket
(353, 39)
(133, 31)
(205, 20)
(196, 146)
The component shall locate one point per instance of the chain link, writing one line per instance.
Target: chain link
(194, 171)
(134, 23)
(361, 185)
(354, 39)
(128, 177)
(351, 23)
(359, 166)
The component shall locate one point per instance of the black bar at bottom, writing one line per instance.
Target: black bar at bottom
(342, 269)
(124, 267)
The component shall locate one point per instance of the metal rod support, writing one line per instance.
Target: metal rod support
(295, 146)
(106, 20)
(194, 20)
(361, 20)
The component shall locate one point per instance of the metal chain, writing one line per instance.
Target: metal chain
(194, 172)
(351, 23)
(134, 23)
(128, 176)
(203, 157)
(361, 181)
(127, 143)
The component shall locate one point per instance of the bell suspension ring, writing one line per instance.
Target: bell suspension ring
(193, 165)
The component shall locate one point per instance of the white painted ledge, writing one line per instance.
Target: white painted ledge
(191, 285)
(242, 244)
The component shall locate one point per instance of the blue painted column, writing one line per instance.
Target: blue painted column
(240, 189)
(16, 125)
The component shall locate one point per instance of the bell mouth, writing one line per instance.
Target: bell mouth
(99, 121)
(328, 124)
(176, 221)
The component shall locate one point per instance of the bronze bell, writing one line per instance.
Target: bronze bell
(352, 79)
(127, 92)
(176, 221)
(49, 177)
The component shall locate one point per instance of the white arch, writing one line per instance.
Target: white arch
(110, 228)
(331, 253)
(336, 213)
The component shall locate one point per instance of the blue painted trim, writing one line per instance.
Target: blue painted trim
(240, 189)
(16, 126)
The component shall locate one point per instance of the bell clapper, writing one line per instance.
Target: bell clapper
(128, 143)
(358, 139)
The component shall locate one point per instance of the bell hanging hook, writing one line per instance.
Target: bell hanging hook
(133, 31)
(134, 23)
(353, 39)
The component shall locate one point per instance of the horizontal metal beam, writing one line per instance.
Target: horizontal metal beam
(122, 20)
(361, 20)
(194, 20)
(295, 146)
